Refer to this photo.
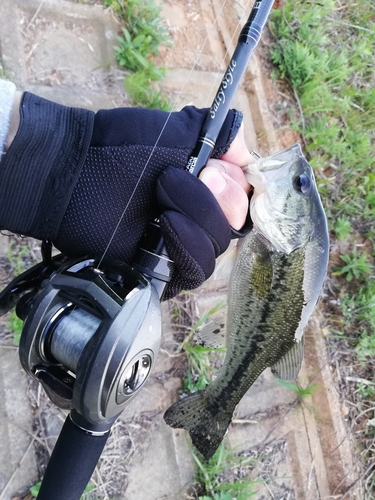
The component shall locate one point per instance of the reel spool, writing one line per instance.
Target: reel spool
(91, 336)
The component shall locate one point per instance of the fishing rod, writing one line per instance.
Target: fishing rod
(247, 41)
(92, 329)
(152, 257)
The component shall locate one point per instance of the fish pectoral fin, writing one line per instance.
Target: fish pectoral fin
(212, 334)
(261, 274)
(288, 367)
(225, 263)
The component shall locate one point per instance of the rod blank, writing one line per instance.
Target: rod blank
(247, 41)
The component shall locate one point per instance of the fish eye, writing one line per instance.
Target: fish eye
(302, 183)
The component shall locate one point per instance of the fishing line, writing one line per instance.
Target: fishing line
(174, 105)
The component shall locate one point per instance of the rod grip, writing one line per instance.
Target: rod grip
(72, 463)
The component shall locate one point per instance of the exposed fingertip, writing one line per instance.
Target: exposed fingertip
(213, 179)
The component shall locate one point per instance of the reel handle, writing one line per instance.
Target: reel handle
(72, 462)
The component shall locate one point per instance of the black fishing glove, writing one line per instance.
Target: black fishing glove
(84, 181)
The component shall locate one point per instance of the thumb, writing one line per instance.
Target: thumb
(231, 195)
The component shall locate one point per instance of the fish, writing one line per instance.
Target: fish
(276, 281)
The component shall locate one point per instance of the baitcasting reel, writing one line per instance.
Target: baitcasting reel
(91, 334)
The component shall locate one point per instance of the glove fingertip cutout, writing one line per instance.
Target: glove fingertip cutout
(184, 193)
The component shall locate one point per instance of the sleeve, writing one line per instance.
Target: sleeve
(42, 166)
(7, 90)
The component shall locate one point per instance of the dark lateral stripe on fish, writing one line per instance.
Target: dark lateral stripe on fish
(271, 308)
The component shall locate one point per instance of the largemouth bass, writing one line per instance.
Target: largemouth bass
(275, 284)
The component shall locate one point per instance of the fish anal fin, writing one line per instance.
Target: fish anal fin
(288, 367)
(212, 333)
(262, 274)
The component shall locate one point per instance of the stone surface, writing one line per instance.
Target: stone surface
(17, 456)
(62, 51)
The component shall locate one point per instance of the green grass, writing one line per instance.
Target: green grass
(220, 478)
(301, 392)
(200, 359)
(142, 34)
(325, 51)
(34, 490)
(357, 266)
(15, 325)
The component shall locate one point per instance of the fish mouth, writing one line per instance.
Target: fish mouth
(248, 225)
(280, 158)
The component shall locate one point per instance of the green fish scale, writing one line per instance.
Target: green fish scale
(261, 325)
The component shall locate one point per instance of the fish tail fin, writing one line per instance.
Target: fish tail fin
(206, 428)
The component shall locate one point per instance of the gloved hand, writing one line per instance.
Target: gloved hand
(86, 182)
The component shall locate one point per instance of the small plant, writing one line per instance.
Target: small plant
(365, 348)
(34, 490)
(142, 35)
(15, 325)
(366, 391)
(132, 52)
(342, 228)
(200, 359)
(142, 90)
(302, 392)
(218, 476)
(199, 372)
(356, 266)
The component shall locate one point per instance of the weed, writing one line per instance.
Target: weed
(302, 392)
(366, 391)
(200, 370)
(34, 490)
(132, 52)
(222, 477)
(342, 228)
(141, 37)
(142, 90)
(200, 359)
(365, 348)
(15, 326)
(206, 316)
(356, 266)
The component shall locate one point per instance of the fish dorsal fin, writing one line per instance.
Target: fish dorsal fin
(288, 367)
(212, 334)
